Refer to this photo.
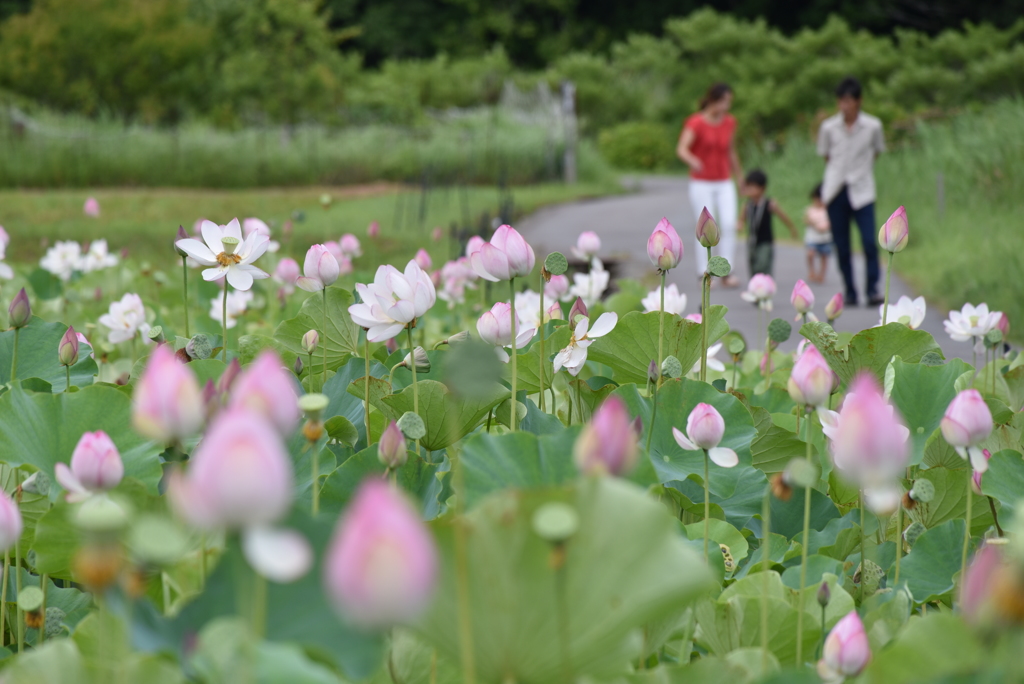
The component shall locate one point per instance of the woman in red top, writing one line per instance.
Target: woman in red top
(706, 146)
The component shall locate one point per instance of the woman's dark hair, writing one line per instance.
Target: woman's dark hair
(757, 177)
(816, 192)
(715, 93)
(848, 86)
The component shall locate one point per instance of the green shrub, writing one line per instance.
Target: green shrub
(638, 145)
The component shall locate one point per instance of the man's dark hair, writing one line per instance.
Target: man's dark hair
(816, 192)
(757, 177)
(849, 86)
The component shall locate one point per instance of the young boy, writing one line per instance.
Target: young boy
(757, 219)
(817, 236)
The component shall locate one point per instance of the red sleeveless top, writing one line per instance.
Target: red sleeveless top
(711, 145)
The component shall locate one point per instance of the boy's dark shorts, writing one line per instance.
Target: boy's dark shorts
(761, 257)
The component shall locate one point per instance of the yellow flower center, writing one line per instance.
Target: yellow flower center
(225, 259)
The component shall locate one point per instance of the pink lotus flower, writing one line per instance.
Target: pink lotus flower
(505, 257)
(976, 475)
(588, 244)
(802, 299)
(227, 254)
(267, 389)
(67, 350)
(695, 317)
(350, 246)
(373, 230)
(608, 443)
(255, 225)
(423, 259)
(708, 234)
(665, 247)
(381, 565)
(393, 301)
(895, 232)
(286, 273)
(705, 428)
(574, 357)
(554, 313)
(320, 269)
(96, 466)
(167, 405)
(495, 328)
(239, 476)
(10, 522)
(966, 424)
(473, 245)
(19, 313)
(760, 291)
(810, 382)
(436, 234)
(91, 207)
(847, 651)
(557, 288)
(834, 308)
(455, 276)
(976, 587)
(391, 450)
(868, 441)
(1003, 325)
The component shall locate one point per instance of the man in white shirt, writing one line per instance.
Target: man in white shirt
(849, 141)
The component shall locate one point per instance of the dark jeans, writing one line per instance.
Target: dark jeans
(839, 214)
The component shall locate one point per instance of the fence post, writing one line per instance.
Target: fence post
(569, 122)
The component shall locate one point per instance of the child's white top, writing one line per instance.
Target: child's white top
(818, 231)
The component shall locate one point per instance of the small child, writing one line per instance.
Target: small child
(757, 219)
(817, 236)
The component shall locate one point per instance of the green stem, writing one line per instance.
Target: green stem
(309, 373)
(562, 601)
(705, 304)
(654, 413)
(17, 578)
(67, 377)
(316, 480)
(366, 395)
(967, 529)
(14, 356)
(863, 557)
(259, 605)
(707, 506)
(803, 551)
(766, 547)
(540, 375)
(202, 561)
(885, 304)
(223, 321)
(3, 597)
(462, 572)
(513, 415)
(661, 328)
(899, 541)
(323, 342)
(184, 293)
(42, 631)
(995, 517)
(415, 387)
(570, 408)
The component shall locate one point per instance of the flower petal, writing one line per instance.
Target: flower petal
(683, 441)
(723, 456)
(309, 284)
(215, 273)
(239, 279)
(603, 325)
(280, 555)
(978, 460)
(197, 250)
(212, 235)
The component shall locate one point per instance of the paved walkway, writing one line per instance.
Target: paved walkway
(625, 222)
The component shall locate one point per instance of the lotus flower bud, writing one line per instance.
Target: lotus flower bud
(423, 259)
(10, 522)
(166, 405)
(320, 269)
(976, 587)
(381, 565)
(554, 312)
(287, 271)
(834, 308)
(20, 311)
(893, 235)
(391, 450)
(579, 309)
(1003, 325)
(506, 256)
(810, 382)
(708, 234)
(966, 424)
(228, 377)
(373, 230)
(67, 351)
(802, 298)
(437, 234)
(239, 476)
(653, 372)
(869, 444)
(298, 366)
(588, 244)
(420, 358)
(705, 426)
(310, 341)
(266, 389)
(91, 207)
(608, 443)
(96, 466)
(664, 247)
(350, 246)
(557, 287)
(846, 652)
(824, 595)
(182, 235)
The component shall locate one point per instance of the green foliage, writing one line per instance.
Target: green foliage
(638, 145)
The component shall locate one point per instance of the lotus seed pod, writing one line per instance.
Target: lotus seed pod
(199, 347)
(54, 622)
(923, 491)
(671, 367)
(911, 534)
(555, 522)
(779, 330)
(412, 425)
(37, 483)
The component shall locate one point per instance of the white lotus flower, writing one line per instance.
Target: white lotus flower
(392, 301)
(227, 253)
(713, 363)
(98, 257)
(675, 301)
(280, 555)
(528, 308)
(971, 322)
(6, 272)
(574, 356)
(126, 318)
(238, 302)
(63, 259)
(590, 286)
(907, 311)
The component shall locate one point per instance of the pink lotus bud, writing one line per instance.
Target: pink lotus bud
(506, 256)
(381, 565)
(392, 450)
(893, 235)
(802, 298)
(10, 522)
(228, 377)
(705, 429)
(473, 245)
(761, 287)
(182, 235)
(557, 287)
(166, 405)
(20, 311)
(319, 270)
(298, 366)
(665, 247)
(373, 230)
(967, 421)
(92, 207)
(578, 309)
(239, 476)
(495, 326)
(976, 587)
(1003, 325)
(67, 350)
(588, 244)
(695, 317)
(95, 467)
(310, 341)
(267, 389)
(846, 652)
(287, 271)
(810, 382)
(436, 278)
(554, 312)
(436, 234)
(350, 246)
(211, 398)
(708, 234)
(834, 308)
(287, 229)
(391, 346)
(423, 259)
(976, 475)
(608, 443)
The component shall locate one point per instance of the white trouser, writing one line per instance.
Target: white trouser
(720, 199)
